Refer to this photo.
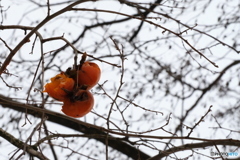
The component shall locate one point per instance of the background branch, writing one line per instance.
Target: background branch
(21, 145)
(75, 124)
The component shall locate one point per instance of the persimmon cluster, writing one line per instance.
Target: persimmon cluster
(72, 88)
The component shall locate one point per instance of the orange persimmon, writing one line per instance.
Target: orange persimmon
(79, 104)
(59, 86)
(88, 75)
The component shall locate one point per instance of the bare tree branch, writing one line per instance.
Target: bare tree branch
(75, 124)
(19, 144)
(194, 145)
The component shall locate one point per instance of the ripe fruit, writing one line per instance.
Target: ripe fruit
(59, 86)
(72, 87)
(88, 75)
(79, 104)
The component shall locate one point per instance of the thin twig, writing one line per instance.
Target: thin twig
(76, 50)
(34, 130)
(152, 23)
(33, 31)
(200, 120)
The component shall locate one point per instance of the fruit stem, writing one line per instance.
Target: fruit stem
(84, 56)
(75, 60)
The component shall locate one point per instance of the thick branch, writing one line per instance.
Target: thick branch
(100, 133)
(75, 124)
(21, 145)
(195, 145)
